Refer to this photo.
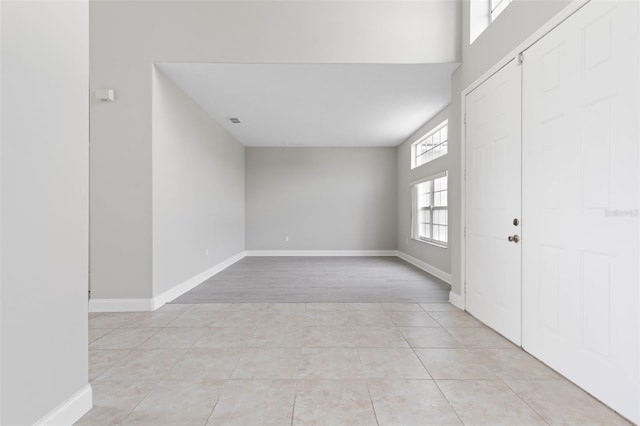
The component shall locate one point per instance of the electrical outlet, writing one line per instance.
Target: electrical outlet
(286, 238)
(206, 252)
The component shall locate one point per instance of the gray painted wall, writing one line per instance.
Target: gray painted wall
(44, 214)
(198, 188)
(435, 256)
(322, 198)
(519, 20)
(124, 44)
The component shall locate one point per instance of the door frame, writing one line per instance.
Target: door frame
(460, 300)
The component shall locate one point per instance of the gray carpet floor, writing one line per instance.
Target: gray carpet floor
(320, 279)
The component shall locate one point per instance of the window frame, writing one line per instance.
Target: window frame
(431, 208)
(482, 13)
(496, 7)
(423, 139)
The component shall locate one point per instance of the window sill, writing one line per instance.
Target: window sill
(431, 243)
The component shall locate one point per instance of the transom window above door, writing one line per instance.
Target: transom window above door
(482, 13)
(431, 146)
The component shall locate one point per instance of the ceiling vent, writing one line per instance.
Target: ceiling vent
(234, 120)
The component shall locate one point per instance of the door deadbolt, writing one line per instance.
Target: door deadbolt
(514, 238)
(516, 222)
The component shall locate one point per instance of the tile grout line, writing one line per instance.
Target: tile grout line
(350, 328)
(140, 402)
(523, 400)
(129, 349)
(218, 314)
(114, 364)
(216, 403)
(498, 378)
(366, 383)
(431, 376)
(373, 406)
(295, 393)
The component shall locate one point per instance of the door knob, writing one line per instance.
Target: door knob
(514, 238)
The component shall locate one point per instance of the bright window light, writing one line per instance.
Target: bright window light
(431, 146)
(430, 211)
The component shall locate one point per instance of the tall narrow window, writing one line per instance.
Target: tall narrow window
(431, 146)
(430, 222)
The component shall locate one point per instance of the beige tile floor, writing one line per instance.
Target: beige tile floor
(330, 364)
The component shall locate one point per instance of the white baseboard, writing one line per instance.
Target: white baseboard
(120, 305)
(151, 304)
(444, 276)
(185, 286)
(70, 410)
(456, 300)
(327, 253)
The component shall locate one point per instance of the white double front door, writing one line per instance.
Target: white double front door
(572, 300)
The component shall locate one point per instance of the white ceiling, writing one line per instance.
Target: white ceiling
(317, 104)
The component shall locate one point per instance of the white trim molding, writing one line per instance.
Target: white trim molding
(70, 410)
(121, 305)
(185, 286)
(151, 304)
(444, 276)
(456, 300)
(327, 253)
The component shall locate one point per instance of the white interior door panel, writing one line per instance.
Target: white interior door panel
(493, 201)
(580, 201)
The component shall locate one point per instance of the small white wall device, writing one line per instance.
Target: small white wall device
(106, 95)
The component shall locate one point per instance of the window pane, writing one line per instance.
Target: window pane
(440, 233)
(437, 152)
(424, 216)
(431, 213)
(437, 199)
(424, 231)
(431, 145)
(426, 186)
